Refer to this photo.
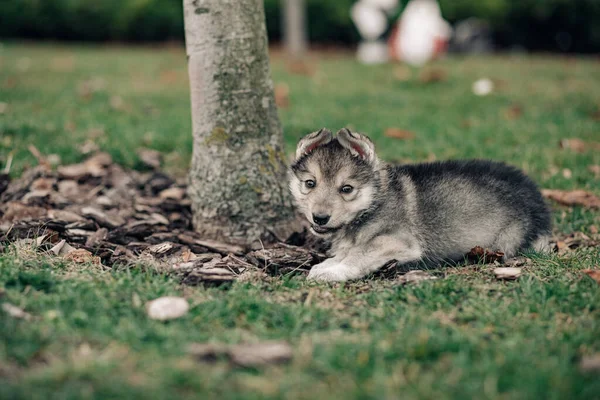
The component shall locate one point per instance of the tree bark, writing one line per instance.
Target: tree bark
(237, 181)
(294, 27)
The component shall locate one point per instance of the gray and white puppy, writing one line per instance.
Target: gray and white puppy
(373, 212)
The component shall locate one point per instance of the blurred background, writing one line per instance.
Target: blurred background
(534, 25)
(516, 81)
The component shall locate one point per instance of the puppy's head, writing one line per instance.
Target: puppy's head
(334, 179)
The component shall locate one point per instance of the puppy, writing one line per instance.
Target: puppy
(372, 212)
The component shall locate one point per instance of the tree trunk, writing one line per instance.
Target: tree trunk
(237, 181)
(294, 27)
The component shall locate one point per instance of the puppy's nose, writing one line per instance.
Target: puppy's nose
(321, 219)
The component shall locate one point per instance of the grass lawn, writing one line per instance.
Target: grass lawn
(464, 336)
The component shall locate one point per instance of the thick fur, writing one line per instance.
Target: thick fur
(424, 212)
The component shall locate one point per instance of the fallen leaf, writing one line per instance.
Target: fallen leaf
(590, 363)
(513, 112)
(81, 256)
(62, 248)
(299, 67)
(167, 308)
(593, 229)
(433, 76)
(415, 277)
(578, 145)
(479, 254)
(398, 133)
(282, 95)
(573, 198)
(261, 354)
(507, 273)
(402, 73)
(595, 169)
(593, 273)
(15, 311)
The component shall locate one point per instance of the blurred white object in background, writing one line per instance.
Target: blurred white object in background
(372, 52)
(389, 6)
(420, 34)
(370, 21)
(483, 87)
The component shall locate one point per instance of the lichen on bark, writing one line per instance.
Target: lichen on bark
(237, 179)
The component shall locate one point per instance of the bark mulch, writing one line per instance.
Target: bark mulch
(116, 216)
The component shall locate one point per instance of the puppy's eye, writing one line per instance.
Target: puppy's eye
(346, 189)
(310, 183)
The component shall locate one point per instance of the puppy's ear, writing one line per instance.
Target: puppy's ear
(313, 140)
(359, 145)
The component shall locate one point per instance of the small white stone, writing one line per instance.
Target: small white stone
(166, 308)
(265, 102)
(483, 87)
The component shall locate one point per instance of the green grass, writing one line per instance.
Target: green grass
(464, 336)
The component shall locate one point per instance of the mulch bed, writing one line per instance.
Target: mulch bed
(100, 212)
(121, 216)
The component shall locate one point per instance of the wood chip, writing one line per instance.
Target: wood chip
(150, 158)
(167, 308)
(573, 197)
(507, 273)
(96, 238)
(106, 220)
(175, 193)
(213, 245)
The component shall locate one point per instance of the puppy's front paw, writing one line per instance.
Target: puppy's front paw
(331, 272)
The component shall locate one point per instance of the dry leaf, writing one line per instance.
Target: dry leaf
(81, 256)
(167, 308)
(433, 75)
(573, 198)
(397, 133)
(595, 169)
(479, 254)
(513, 112)
(415, 277)
(15, 311)
(593, 229)
(62, 248)
(282, 95)
(175, 193)
(578, 145)
(590, 363)
(261, 354)
(507, 273)
(593, 273)
(299, 67)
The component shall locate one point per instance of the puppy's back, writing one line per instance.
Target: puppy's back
(462, 204)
